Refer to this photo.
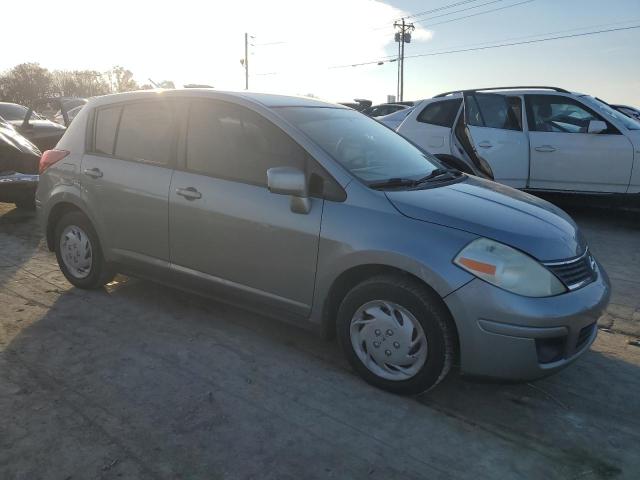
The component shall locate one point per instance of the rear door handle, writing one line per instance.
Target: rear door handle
(545, 148)
(485, 144)
(93, 172)
(189, 193)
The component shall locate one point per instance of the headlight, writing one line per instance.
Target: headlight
(508, 268)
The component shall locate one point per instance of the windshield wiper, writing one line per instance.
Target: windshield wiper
(394, 182)
(437, 173)
(408, 182)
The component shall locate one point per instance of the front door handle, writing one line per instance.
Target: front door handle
(189, 193)
(485, 144)
(93, 172)
(545, 149)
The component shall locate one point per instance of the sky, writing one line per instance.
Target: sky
(296, 44)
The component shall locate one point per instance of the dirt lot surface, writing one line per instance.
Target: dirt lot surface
(140, 381)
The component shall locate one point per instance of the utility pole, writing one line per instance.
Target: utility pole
(246, 61)
(402, 37)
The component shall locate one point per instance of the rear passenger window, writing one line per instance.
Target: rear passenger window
(235, 143)
(106, 126)
(146, 133)
(441, 113)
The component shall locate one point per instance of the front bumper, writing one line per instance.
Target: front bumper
(508, 336)
(15, 187)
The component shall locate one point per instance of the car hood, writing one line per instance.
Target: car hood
(495, 211)
(634, 135)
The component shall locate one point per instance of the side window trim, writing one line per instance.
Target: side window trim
(115, 137)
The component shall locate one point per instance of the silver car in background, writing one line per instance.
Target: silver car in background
(311, 212)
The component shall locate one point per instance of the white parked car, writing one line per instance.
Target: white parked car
(534, 138)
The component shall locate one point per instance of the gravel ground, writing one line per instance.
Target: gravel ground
(141, 381)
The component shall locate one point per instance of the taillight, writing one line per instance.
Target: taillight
(50, 157)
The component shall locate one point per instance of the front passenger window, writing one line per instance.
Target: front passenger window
(145, 133)
(234, 143)
(556, 113)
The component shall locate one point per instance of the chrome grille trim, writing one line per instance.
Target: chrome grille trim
(576, 272)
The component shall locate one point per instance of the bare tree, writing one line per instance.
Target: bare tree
(79, 83)
(121, 80)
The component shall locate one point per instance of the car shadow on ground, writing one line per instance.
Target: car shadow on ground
(143, 380)
(20, 225)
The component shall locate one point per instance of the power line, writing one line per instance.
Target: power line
(556, 32)
(500, 45)
(474, 14)
(459, 11)
(413, 15)
(439, 9)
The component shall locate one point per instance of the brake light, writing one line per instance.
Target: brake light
(50, 157)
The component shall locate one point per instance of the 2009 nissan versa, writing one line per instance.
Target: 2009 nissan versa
(313, 212)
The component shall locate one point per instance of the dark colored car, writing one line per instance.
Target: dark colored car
(359, 104)
(40, 131)
(19, 159)
(384, 109)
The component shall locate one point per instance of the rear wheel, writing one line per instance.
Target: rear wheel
(79, 253)
(396, 334)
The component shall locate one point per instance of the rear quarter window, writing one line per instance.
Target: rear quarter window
(441, 113)
(106, 126)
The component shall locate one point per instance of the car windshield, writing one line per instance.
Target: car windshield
(607, 111)
(368, 149)
(12, 112)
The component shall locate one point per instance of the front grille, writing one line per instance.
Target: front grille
(575, 273)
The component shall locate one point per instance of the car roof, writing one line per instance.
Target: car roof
(265, 99)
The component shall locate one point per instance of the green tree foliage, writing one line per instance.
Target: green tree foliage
(25, 84)
(29, 83)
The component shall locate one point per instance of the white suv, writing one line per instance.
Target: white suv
(534, 138)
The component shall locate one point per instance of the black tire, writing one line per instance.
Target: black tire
(100, 272)
(427, 308)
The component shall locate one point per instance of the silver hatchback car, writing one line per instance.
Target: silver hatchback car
(312, 212)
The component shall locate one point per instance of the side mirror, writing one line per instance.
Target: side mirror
(290, 181)
(596, 126)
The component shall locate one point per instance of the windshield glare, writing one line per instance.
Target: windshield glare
(369, 150)
(603, 108)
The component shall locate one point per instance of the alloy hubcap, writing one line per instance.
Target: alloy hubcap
(75, 250)
(388, 340)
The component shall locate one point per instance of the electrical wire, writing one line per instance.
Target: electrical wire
(499, 45)
(473, 14)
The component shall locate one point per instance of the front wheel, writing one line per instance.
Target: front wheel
(79, 253)
(396, 334)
